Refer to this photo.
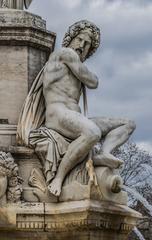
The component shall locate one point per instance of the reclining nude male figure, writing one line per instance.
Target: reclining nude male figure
(63, 78)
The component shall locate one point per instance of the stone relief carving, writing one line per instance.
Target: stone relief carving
(16, 4)
(4, 4)
(51, 120)
(83, 182)
(40, 190)
(10, 182)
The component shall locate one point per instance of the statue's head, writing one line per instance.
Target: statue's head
(10, 182)
(83, 37)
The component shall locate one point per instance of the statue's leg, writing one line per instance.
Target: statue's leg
(85, 135)
(116, 133)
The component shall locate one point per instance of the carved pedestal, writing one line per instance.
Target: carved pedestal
(77, 185)
(82, 220)
(25, 45)
(40, 216)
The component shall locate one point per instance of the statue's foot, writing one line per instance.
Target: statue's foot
(55, 187)
(117, 184)
(107, 160)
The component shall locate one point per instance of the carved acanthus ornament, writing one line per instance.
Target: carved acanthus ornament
(4, 4)
(9, 170)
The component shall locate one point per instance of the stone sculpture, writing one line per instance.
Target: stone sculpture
(71, 188)
(10, 182)
(15, 4)
(51, 119)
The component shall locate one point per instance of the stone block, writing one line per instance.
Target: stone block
(82, 220)
(25, 45)
(7, 135)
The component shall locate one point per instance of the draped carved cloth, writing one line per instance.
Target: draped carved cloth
(27, 3)
(32, 115)
(50, 147)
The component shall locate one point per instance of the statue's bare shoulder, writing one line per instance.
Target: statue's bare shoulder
(62, 56)
(67, 60)
(57, 66)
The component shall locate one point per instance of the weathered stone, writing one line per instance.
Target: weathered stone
(51, 120)
(25, 45)
(7, 135)
(74, 188)
(74, 220)
(62, 198)
(10, 182)
(16, 4)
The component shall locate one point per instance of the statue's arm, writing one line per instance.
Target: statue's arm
(72, 61)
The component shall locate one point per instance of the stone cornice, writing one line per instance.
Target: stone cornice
(6, 129)
(13, 18)
(20, 36)
(91, 215)
(21, 28)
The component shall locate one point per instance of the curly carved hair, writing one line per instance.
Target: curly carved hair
(76, 28)
(10, 169)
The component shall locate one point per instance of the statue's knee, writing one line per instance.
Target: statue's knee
(94, 134)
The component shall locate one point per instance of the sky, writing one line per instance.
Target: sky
(123, 62)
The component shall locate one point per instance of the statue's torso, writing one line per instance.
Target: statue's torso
(60, 86)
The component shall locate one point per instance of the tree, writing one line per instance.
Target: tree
(137, 176)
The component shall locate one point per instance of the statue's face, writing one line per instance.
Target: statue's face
(81, 44)
(3, 185)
